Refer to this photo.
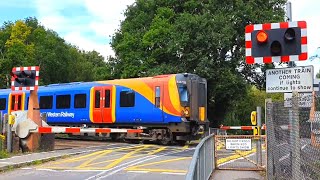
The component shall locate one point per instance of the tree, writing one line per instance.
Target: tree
(318, 75)
(202, 37)
(27, 43)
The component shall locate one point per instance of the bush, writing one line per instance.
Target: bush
(3, 154)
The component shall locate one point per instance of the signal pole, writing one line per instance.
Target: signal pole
(289, 19)
(288, 11)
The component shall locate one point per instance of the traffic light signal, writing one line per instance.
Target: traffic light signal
(276, 42)
(25, 78)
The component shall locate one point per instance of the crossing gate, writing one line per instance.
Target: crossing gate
(240, 152)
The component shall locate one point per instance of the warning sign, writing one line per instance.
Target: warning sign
(298, 79)
(238, 144)
(305, 99)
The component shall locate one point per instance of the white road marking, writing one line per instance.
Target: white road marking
(6, 163)
(81, 170)
(138, 171)
(128, 164)
(51, 170)
(172, 173)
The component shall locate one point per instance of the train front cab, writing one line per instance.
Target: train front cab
(193, 100)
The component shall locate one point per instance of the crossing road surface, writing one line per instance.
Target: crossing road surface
(114, 161)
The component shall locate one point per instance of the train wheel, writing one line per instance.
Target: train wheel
(115, 137)
(167, 138)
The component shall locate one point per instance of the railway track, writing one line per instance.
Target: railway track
(70, 143)
(62, 142)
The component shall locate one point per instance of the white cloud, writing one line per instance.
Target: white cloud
(85, 44)
(309, 11)
(100, 20)
(106, 15)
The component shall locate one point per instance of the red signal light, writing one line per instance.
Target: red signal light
(262, 36)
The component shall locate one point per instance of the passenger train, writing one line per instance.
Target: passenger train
(167, 107)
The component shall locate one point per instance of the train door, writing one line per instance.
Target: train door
(16, 101)
(102, 110)
(158, 102)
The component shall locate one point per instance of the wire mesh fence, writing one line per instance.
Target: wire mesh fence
(240, 152)
(291, 152)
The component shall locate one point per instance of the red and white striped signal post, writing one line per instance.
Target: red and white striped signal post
(27, 78)
(276, 42)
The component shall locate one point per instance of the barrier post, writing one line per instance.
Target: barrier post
(259, 148)
(9, 134)
(32, 142)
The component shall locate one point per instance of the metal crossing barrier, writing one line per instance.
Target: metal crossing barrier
(240, 152)
(202, 163)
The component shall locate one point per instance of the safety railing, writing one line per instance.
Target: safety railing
(202, 163)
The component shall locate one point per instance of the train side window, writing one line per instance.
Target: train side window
(45, 102)
(63, 101)
(107, 100)
(157, 97)
(97, 99)
(80, 100)
(127, 99)
(3, 103)
(19, 102)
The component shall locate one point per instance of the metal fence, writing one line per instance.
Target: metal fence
(291, 153)
(202, 163)
(240, 152)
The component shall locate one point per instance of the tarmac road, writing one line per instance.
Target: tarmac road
(114, 161)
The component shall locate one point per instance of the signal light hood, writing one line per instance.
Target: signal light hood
(289, 35)
(275, 48)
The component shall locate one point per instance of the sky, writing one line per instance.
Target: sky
(89, 24)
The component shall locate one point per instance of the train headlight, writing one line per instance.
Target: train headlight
(186, 112)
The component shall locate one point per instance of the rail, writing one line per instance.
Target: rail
(202, 163)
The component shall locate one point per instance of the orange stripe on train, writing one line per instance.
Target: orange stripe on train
(144, 87)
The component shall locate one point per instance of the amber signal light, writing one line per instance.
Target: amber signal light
(262, 36)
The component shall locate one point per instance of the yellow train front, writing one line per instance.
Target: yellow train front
(167, 107)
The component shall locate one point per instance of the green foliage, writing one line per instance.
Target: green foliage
(196, 36)
(318, 75)
(27, 43)
(240, 114)
(3, 154)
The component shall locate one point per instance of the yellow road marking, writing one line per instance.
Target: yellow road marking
(236, 156)
(185, 147)
(150, 153)
(158, 170)
(80, 158)
(127, 156)
(137, 168)
(87, 163)
(157, 150)
(95, 153)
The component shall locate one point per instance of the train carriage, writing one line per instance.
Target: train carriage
(167, 107)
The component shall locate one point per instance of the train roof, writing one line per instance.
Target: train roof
(84, 85)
